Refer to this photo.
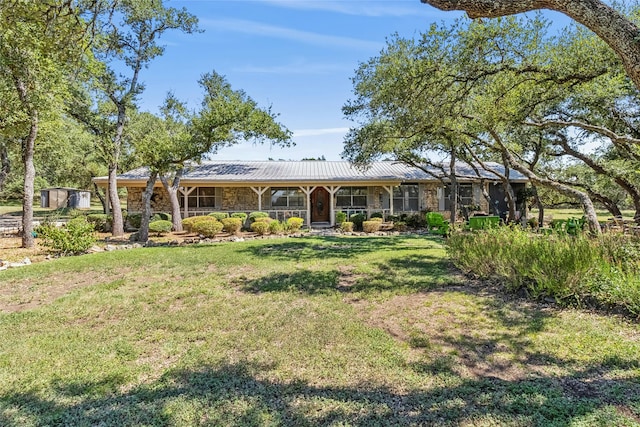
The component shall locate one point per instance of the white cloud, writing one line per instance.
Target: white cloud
(318, 132)
(295, 68)
(260, 29)
(360, 8)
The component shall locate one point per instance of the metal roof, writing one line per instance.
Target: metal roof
(255, 172)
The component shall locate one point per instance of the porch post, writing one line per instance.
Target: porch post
(307, 191)
(185, 192)
(332, 189)
(389, 189)
(260, 191)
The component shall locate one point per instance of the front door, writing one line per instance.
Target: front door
(320, 205)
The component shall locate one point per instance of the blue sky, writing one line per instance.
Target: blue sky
(296, 55)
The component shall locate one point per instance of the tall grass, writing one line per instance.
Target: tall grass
(602, 270)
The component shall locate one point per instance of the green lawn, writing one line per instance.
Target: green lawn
(311, 331)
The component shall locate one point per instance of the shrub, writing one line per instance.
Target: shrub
(275, 227)
(400, 226)
(294, 224)
(572, 269)
(241, 215)
(357, 220)
(340, 217)
(187, 223)
(219, 215)
(160, 226)
(160, 216)
(134, 220)
(376, 218)
(101, 222)
(266, 219)
(371, 226)
(231, 225)
(76, 237)
(376, 215)
(207, 226)
(260, 227)
(416, 220)
(255, 215)
(346, 226)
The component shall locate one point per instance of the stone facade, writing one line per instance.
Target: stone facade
(240, 199)
(429, 196)
(244, 199)
(159, 200)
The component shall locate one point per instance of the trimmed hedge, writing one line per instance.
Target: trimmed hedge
(371, 226)
(160, 226)
(260, 227)
(255, 215)
(207, 226)
(346, 226)
(294, 224)
(231, 225)
(219, 215)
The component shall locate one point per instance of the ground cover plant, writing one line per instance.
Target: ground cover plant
(300, 331)
(601, 271)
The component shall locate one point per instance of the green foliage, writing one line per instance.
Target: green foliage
(206, 226)
(340, 217)
(371, 226)
(294, 224)
(346, 226)
(376, 215)
(357, 220)
(241, 215)
(160, 226)
(219, 215)
(572, 269)
(376, 218)
(161, 216)
(231, 225)
(260, 227)
(101, 222)
(75, 237)
(276, 227)
(255, 215)
(266, 219)
(134, 220)
(187, 223)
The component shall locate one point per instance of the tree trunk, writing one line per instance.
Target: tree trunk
(539, 204)
(143, 232)
(118, 221)
(623, 182)
(585, 201)
(5, 167)
(618, 32)
(172, 190)
(100, 197)
(28, 148)
(114, 199)
(453, 191)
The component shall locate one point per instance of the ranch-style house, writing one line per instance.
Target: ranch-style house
(316, 190)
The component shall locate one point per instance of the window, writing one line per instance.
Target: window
(287, 198)
(352, 197)
(465, 195)
(405, 198)
(203, 198)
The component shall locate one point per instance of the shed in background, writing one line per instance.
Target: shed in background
(60, 197)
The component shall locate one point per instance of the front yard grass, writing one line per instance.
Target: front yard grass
(300, 331)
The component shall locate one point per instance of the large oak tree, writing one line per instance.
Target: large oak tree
(619, 32)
